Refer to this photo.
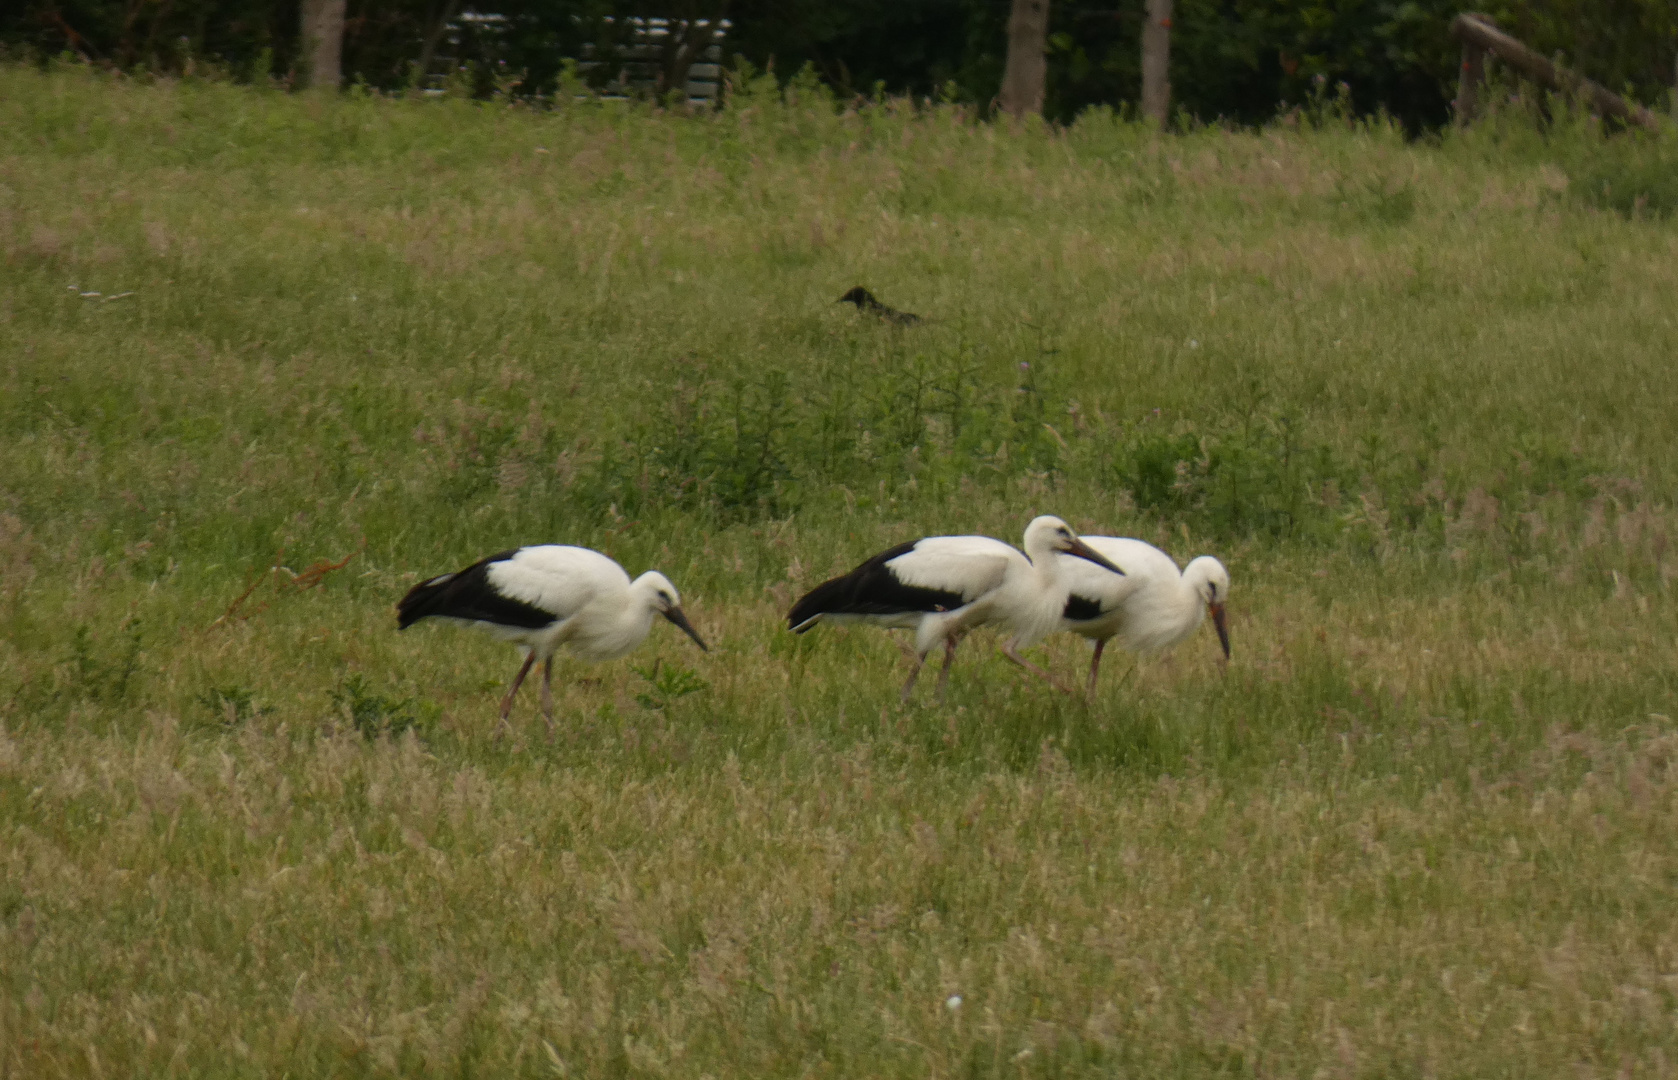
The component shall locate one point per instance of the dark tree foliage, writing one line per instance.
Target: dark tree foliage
(1630, 46)
(1243, 60)
(251, 37)
(918, 47)
(1236, 60)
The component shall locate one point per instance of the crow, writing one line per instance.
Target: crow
(864, 301)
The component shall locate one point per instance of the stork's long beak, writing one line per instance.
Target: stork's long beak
(1222, 625)
(1084, 551)
(675, 615)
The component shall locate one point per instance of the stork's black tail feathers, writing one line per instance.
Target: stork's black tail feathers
(829, 596)
(468, 594)
(423, 600)
(870, 589)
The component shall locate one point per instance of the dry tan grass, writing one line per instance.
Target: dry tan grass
(334, 906)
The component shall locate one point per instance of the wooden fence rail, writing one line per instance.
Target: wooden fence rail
(1480, 37)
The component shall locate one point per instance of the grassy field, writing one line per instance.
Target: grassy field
(1419, 397)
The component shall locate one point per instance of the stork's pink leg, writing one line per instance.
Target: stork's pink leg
(548, 695)
(1095, 666)
(949, 658)
(914, 673)
(507, 702)
(1009, 651)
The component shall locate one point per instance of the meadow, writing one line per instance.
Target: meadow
(267, 360)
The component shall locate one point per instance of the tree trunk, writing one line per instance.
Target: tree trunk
(1027, 67)
(323, 44)
(434, 31)
(1156, 63)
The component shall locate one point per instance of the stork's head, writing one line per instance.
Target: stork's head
(663, 598)
(1049, 534)
(1210, 580)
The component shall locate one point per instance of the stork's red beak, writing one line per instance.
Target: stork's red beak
(1218, 621)
(1084, 551)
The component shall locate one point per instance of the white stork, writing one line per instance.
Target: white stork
(1152, 607)
(548, 596)
(942, 586)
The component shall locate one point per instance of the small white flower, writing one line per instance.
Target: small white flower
(953, 1002)
(1193, 344)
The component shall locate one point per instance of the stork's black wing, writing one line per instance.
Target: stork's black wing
(872, 589)
(468, 594)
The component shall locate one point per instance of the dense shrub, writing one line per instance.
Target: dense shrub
(1632, 174)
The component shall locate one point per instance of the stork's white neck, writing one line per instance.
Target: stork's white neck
(617, 628)
(1198, 577)
(1040, 550)
(643, 593)
(1037, 607)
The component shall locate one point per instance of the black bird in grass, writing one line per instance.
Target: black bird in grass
(866, 301)
(943, 586)
(548, 596)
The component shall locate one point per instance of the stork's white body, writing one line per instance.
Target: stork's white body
(598, 613)
(546, 598)
(1152, 607)
(975, 568)
(1021, 597)
(942, 586)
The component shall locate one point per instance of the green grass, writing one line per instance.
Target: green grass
(1417, 396)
